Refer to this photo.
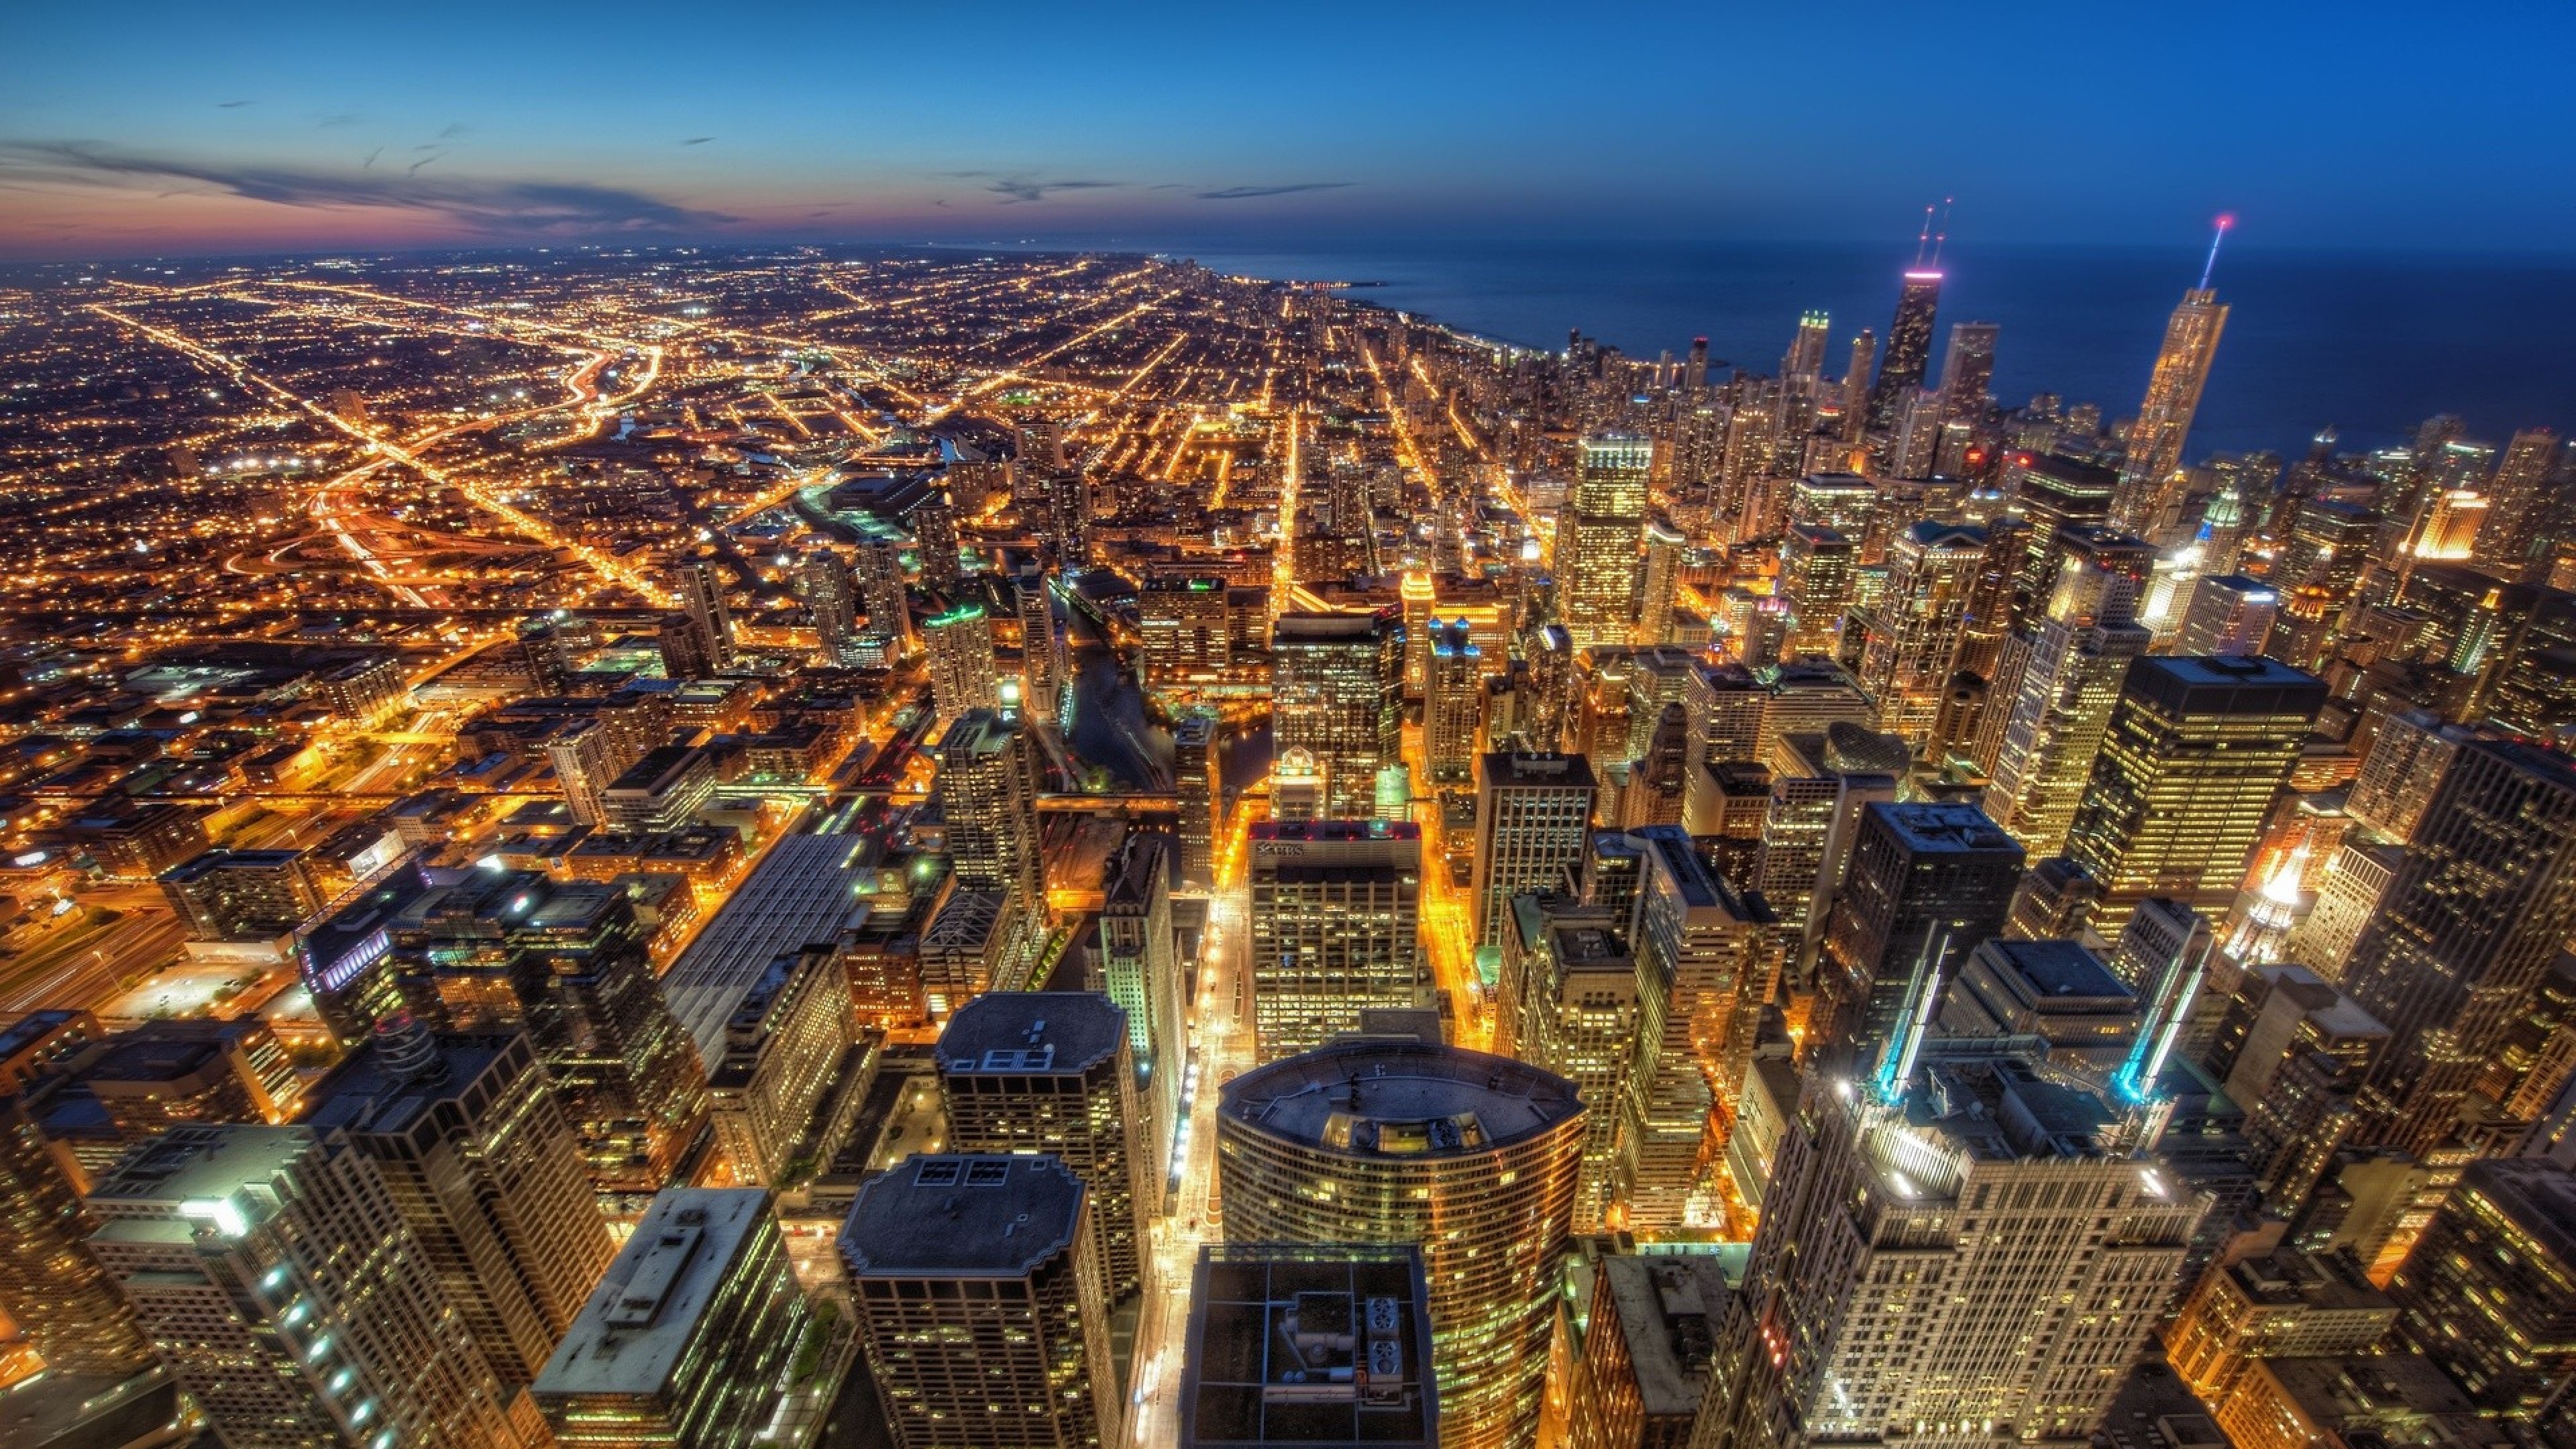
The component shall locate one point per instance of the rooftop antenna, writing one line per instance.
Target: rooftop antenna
(1943, 234)
(1924, 239)
(2224, 222)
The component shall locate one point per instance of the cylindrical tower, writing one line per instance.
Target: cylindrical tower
(1472, 1157)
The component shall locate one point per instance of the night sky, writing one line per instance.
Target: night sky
(161, 127)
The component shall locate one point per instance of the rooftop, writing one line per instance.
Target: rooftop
(806, 891)
(1017, 1033)
(1322, 1345)
(634, 1334)
(962, 1217)
(1668, 1308)
(1399, 1099)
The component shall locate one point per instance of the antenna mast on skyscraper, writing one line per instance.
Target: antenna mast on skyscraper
(1943, 234)
(2224, 222)
(1924, 239)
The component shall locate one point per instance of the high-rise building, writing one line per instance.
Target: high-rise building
(1959, 1250)
(1198, 779)
(236, 894)
(699, 583)
(1050, 1073)
(2346, 900)
(987, 789)
(2319, 566)
(832, 602)
(277, 1279)
(2149, 478)
(1473, 1157)
(1337, 691)
(486, 1173)
(2189, 763)
(2284, 1304)
(1968, 371)
(2482, 904)
(2065, 676)
(1819, 782)
(1928, 880)
(1911, 635)
(2510, 541)
(689, 1334)
(1138, 965)
(1806, 355)
(1533, 815)
(2489, 1292)
(1644, 1363)
(879, 574)
(51, 1286)
(1311, 1345)
(1659, 587)
(1909, 345)
(982, 1304)
(1043, 661)
(1453, 703)
(783, 1047)
(1707, 962)
(1816, 583)
(963, 676)
(1597, 538)
(2228, 614)
(1567, 1002)
(1335, 914)
(1855, 398)
(2405, 764)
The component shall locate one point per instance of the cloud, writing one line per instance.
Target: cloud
(495, 207)
(697, 140)
(1246, 193)
(1019, 186)
(340, 118)
(233, 105)
(452, 130)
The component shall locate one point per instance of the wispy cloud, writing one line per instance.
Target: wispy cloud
(233, 105)
(1021, 186)
(1246, 193)
(337, 119)
(697, 140)
(496, 207)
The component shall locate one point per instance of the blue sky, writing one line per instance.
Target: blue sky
(161, 126)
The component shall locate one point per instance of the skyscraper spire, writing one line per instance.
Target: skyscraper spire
(1943, 233)
(1923, 240)
(2224, 222)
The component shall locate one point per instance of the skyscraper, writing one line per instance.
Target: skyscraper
(831, 601)
(1042, 653)
(1909, 345)
(2480, 907)
(1927, 880)
(2228, 614)
(1199, 780)
(1471, 1156)
(982, 1304)
(1335, 915)
(2149, 482)
(699, 582)
(1337, 691)
(1968, 371)
(1911, 635)
(783, 1047)
(1050, 1073)
(1312, 1345)
(1138, 965)
(1453, 705)
(1597, 538)
(1806, 355)
(1533, 815)
(1567, 1002)
(486, 1173)
(963, 675)
(2066, 675)
(879, 575)
(1816, 583)
(688, 1334)
(2487, 1292)
(987, 788)
(2194, 750)
(275, 1275)
(51, 1285)
(2516, 497)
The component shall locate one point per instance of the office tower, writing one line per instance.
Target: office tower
(274, 1273)
(2228, 614)
(2065, 676)
(1199, 780)
(2319, 566)
(2346, 900)
(2284, 1304)
(831, 601)
(1337, 691)
(1066, 515)
(1911, 635)
(1910, 447)
(2149, 482)
(1453, 703)
(1549, 652)
(1533, 815)
(699, 583)
(934, 527)
(1819, 783)
(2404, 766)
(1296, 785)
(1644, 1363)
(987, 788)
(1597, 538)
(2516, 500)
(2188, 766)
(484, 1169)
(1043, 662)
(879, 574)
(2293, 1051)
(1471, 1156)
(2053, 901)
(963, 676)
(2053, 492)
(1968, 371)
(1659, 586)
(982, 1304)
(1567, 1002)
(51, 1286)
(688, 1336)
(2485, 900)
(1335, 912)
(1856, 389)
(1308, 1345)
(1909, 345)
(1806, 355)
(227, 895)
(1816, 584)
(1957, 1250)
(1707, 961)
(1928, 881)
(1138, 964)
(683, 648)
(1050, 1073)
(2489, 1292)
(164, 1074)
(1418, 597)
(783, 1046)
